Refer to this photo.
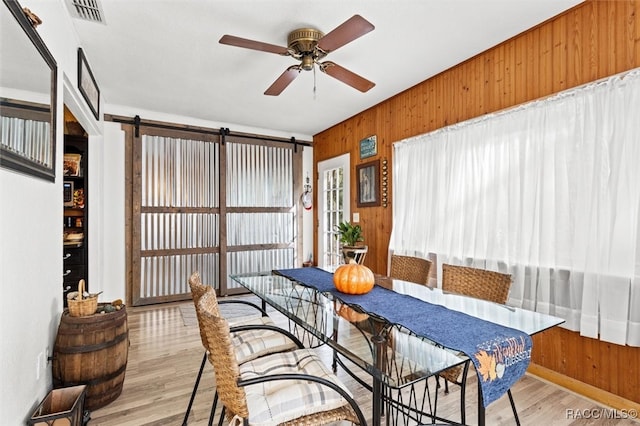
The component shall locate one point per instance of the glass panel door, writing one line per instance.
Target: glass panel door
(333, 207)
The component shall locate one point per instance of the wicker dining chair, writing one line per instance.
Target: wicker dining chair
(481, 284)
(409, 268)
(252, 337)
(287, 388)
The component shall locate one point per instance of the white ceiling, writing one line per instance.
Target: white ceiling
(164, 55)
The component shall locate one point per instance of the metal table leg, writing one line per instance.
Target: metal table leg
(379, 346)
(481, 413)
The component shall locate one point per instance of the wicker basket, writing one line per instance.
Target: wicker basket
(81, 307)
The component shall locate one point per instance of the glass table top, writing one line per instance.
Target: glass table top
(390, 352)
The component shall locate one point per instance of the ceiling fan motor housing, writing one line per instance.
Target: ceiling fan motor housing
(302, 43)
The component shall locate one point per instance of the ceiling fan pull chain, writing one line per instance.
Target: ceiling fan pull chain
(314, 83)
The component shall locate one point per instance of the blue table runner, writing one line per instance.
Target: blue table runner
(500, 354)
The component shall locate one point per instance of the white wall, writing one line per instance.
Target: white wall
(31, 254)
(30, 289)
(31, 229)
(307, 215)
(107, 213)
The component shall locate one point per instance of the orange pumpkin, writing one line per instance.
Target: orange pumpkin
(351, 314)
(353, 278)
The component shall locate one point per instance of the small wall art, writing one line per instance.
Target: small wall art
(87, 85)
(368, 147)
(368, 179)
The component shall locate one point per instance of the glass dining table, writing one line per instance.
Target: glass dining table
(391, 355)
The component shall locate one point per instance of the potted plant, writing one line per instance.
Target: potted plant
(350, 236)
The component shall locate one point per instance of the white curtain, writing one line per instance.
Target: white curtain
(548, 191)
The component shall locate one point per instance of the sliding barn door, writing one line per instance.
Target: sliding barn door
(203, 205)
(261, 215)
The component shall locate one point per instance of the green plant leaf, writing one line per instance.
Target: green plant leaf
(349, 234)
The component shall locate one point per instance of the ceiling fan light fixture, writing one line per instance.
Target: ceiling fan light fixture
(307, 62)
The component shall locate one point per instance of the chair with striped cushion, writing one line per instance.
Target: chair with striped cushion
(252, 337)
(287, 388)
(481, 284)
(410, 268)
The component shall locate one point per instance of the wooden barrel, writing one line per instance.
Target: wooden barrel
(92, 350)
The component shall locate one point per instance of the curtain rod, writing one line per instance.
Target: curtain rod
(136, 121)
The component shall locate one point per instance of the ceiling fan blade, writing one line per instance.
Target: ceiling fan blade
(255, 45)
(351, 29)
(346, 76)
(283, 81)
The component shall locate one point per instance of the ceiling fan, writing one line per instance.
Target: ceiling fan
(310, 46)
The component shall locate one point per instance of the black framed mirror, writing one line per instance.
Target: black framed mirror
(28, 75)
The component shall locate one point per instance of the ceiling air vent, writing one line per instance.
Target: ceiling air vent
(88, 10)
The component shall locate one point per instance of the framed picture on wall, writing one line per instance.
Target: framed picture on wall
(87, 85)
(368, 179)
(368, 147)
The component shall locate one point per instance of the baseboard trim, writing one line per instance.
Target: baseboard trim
(583, 389)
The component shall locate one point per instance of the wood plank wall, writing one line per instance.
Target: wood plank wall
(594, 40)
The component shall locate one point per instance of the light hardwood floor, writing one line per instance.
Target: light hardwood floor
(165, 354)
